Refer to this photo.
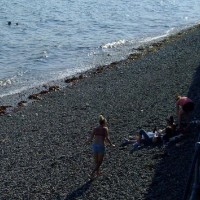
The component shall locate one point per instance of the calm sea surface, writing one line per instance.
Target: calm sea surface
(58, 38)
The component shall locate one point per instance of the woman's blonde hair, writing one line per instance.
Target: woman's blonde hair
(102, 120)
(178, 96)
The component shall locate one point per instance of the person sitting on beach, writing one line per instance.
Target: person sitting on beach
(100, 136)
(178, 136)
(174, 137)
(170, 122)
(184, 107)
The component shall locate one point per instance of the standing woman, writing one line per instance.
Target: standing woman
(100, 136)
(184, 107)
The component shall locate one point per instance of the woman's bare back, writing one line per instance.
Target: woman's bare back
(100, 134)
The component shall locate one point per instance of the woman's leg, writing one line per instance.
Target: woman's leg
(147, 140)
(127, 142)
(187, 119)
(184, 117)
(100, 160)
(95, 164)
(144, 134)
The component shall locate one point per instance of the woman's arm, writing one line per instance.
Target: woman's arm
(108, 139)
(90, 138)
(161, 131)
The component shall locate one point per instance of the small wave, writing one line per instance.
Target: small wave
(12, 92)
(150, 39)
(43, 55)
(113, 44)
(40, 56)
(5, 82)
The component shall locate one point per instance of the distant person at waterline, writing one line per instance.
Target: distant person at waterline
(99, 136)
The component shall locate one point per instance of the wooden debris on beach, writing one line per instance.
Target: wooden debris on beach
(35, 97)
(22, 103)
(81, 76)
(70, 80)
(54, 88)
(44, 92)
(3, 109)
(157, 44)
(74, 79)
(98, 70)
(135, 56)
(2, 112)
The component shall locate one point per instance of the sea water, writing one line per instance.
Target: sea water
(53, 39)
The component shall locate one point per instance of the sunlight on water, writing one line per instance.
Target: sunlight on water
(48, 40)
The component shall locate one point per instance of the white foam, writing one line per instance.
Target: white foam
(114, 44)
(5, 82)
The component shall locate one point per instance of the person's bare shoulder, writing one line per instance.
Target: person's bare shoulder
(106, 129)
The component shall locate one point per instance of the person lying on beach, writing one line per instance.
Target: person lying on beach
(140, 138)
(184, 107)
(134, 140)
(148, 138)
(100, 136)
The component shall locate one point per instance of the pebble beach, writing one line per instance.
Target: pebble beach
(42, 145)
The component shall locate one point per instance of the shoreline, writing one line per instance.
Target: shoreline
(42, 145)
(14, 99)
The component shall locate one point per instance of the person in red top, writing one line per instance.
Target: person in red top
(184, 107)
(100, 136)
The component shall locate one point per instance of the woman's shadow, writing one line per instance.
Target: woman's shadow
(79, 191)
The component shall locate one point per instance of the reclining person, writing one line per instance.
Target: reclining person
(144, 138)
